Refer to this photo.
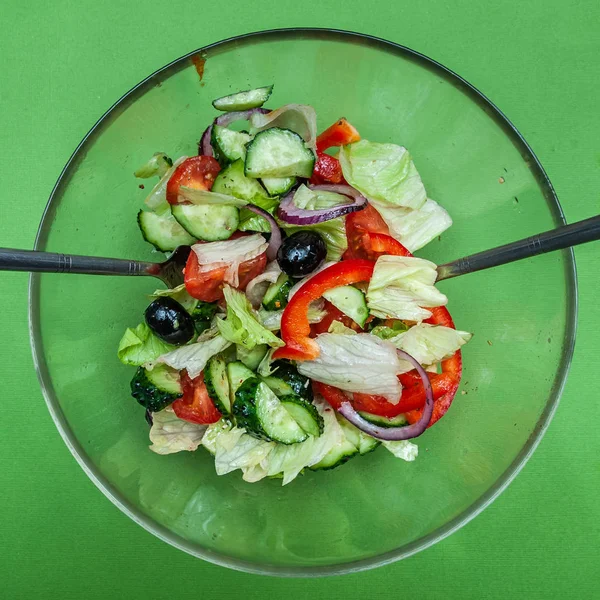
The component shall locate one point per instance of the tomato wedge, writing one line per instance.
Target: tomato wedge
(208, 285)
(327, 170)
(368, 236)
(197, 172)
(338, 134)
(195, 405)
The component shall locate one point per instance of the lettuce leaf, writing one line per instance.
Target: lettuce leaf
(401, 286)
(290, 460)
(235, 449)
(157, 198)
(430, 344)
(308, 199)
(271, 319)
(140, 345)
(180, 294)
(415, 228)
(158, 164)
(200, 197)
(170, 434)
(402, 449)
(339, 327)
(242, 325)
(383, 172)
(193, 357)
(356, 363)
(257, 287)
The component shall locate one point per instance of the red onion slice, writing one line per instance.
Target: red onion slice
(275, 239)
(395, 433)
(293, 215)
(204, 146)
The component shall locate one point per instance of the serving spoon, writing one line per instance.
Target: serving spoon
(170, 272)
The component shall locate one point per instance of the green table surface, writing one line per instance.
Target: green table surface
(64, 64)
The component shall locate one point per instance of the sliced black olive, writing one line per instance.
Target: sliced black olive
(170, 321)
(301, 253)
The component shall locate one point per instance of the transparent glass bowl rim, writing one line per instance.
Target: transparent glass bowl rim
(162, 532)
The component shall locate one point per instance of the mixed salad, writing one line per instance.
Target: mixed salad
(305, 332)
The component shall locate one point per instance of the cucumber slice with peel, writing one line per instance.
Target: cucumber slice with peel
(243, 100)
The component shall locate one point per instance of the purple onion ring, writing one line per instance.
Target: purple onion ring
(293, 215)
(395, 433)
(204, 146)
(275, 239)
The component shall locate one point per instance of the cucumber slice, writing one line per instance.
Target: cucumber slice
(351, 301)
(260, 412)
(280, 387)
(165, 379)
(217, 384)
(276, 296)
(304, 413)
(363, 442)
(228, 145)
(208, 222)
(163, 231)
(160, 391)
(398, 421)
(278, 152)
(244, 100)
(337, 456)
(278, 186)
(286, 380)
(233, 182)
(251, 358)
(237, 373)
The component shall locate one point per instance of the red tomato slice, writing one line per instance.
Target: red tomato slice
(368, 236)
(208, 285)
(327, 170)
(195, 405)
(197, 172)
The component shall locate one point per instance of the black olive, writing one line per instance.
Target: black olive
(301, 253)
(170, 321)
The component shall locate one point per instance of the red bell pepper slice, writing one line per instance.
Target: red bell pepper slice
(295, 328)
(338, 134)
(327, 170)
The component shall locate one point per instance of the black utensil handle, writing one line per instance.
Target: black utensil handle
(50, 262)
(556, 239)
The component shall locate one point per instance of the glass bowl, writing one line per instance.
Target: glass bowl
(375, 509)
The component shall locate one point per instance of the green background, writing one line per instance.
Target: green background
(64, 64)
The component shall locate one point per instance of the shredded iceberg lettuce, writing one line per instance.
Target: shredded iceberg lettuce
(140, 345)
(193, 357)
(158, 164)
(383, 172)
(170, 434)
(414, 228)
(401, 286)
(180, 294)
(242, 325)
(430, 344)
(356, 363)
